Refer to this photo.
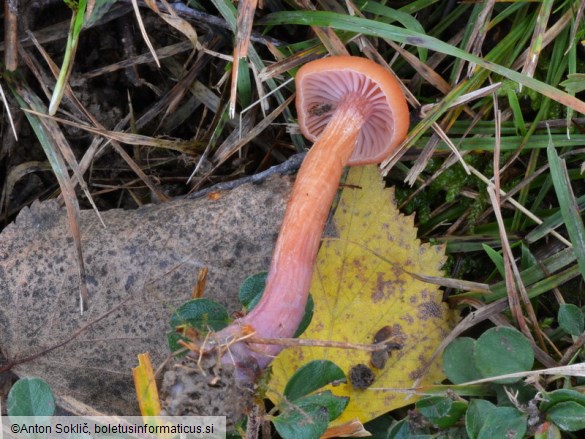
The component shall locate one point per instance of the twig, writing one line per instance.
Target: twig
(294, 342)
(11, 34)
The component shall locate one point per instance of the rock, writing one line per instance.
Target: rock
(140, 267)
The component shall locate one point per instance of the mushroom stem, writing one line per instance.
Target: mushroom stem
(282, 306)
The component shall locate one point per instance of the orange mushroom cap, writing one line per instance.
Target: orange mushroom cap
(322, 84)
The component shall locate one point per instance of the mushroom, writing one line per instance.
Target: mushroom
(355, 112)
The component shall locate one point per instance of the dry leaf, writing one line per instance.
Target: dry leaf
(173, 19)
(360, 286)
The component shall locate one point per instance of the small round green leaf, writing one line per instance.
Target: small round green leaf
(334, 404)
(308, 422)
(312, 376)
(251, 290)
(561, 395)
(476, 416)
(568, 416)
(30, 397)
(441, 410)
(201, 314)
(456, 364)
(403, 430)
(501, 351)
(175, 347)
(504, 422)
(571, 319)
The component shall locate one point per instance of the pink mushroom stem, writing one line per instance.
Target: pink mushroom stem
(282, 306)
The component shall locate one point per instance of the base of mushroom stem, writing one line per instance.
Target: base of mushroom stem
(233, 346)
(247, 369)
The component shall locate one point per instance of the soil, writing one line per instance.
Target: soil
(188, 390)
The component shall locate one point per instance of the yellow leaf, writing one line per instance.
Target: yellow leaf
(362, 284)
(147, 394)
(145, 385)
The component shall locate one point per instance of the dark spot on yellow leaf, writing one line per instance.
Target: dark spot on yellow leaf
(429, 310)
(361, 376)
(378, 359)
(397, 330)
(383, 334)
(383, 288)
(414, 375)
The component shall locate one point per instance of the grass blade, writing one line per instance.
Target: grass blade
(568, 205)
(407, 36)
(71, 49)
(41, 126)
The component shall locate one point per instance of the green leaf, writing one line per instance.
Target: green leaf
(503, 422)
(456, 364)
(309, 416)
(175, 347)
(244, 84)
(574, 83)
(527, 259)
(403, 430)
(308, 422)
(571, 319)
(70, 50)
(561, 395)
(201, 314)
(30, 397)
(496, 258)
(441, 410)
(476, 416)
(251, 290)
(519, 123)
(568, 416)
(569, 208)
(400, 430)
(101, 7)
(307, 317)
(501, 351)
(334, 404)
(310, 377)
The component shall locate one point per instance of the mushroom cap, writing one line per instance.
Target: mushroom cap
(323, 83)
